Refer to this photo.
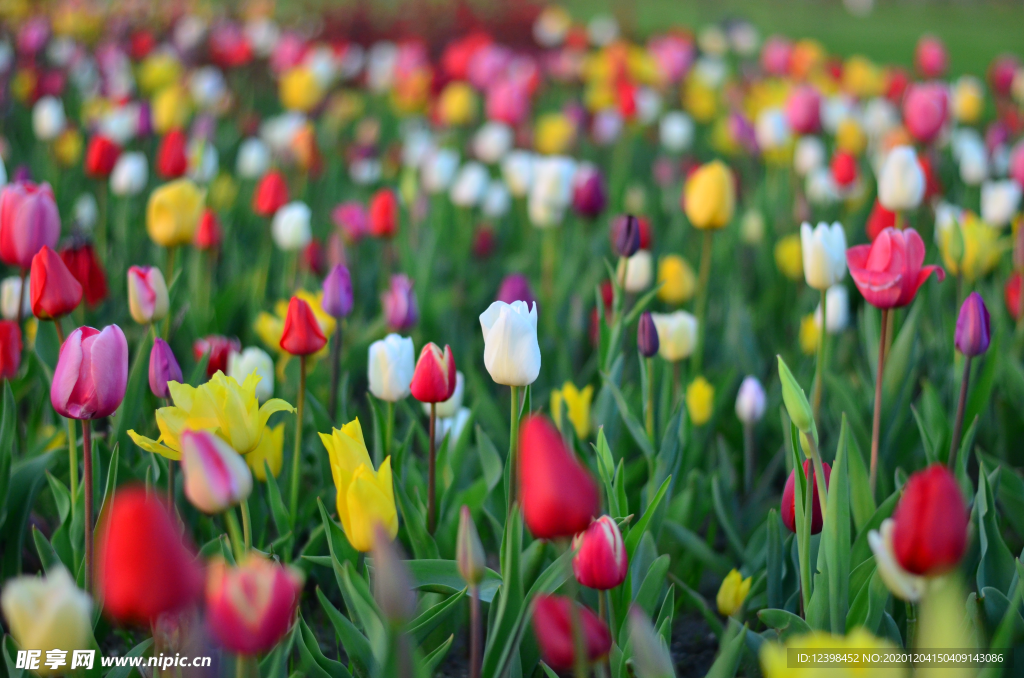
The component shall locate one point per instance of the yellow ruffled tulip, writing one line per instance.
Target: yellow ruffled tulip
(700, 401)
(365, 497)
(270, 449)
(710, 196)
(789, 257)
(173, 212)
(972, 250)
(171, 108)
(299, 89)
(732, 593)
(554, 133)
(677, 280)
(457, 104)
(577, 405)
(221, 406)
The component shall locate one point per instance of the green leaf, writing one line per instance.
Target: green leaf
(363, 608)
(862, 500)
(730, 652)
(898, 358)
(869, 604)
(357, 647)
(774, 558)
(510, 606)
(785, 623)
(637, 531)
(278, 512)
(636, 429)
(698, 548)
(654, 582)
(8, 433)
(124, 417)
(861, 551)
(137, 651)
(731, 536)
(423, 544)
(490, 460)
(313, 658)
(430, 619)
(996, 568)
(10, 652)
(47, 555)
(436, 656)
(442, 576)
(835, 536)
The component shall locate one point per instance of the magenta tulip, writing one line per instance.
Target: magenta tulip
(28, 221)
(91, 374)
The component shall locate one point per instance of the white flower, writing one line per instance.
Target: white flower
(946, 217)
(203, 161)
(253, 159)
(470, 183)
(551, 191)
(837, 299)
(511, 350)
(492, 141)
(48, 119)
(207, 87)
(517, 169)
(391, 366)
(880, 117)
(821, 187)
(677, 334)
(279, 131)
(496, 200)
(901, 181)
(47, 612)
(808, 155)
(365, 171)
(676, 131)
(188, 32)
(750, 401)
(973, 161)
(834, 110)
(121, 124)
(999, 201)
(824, 252)
(438, 169)
(86, 212)
(263, 35)
(290, 228)
(635, 272)
(10, 290)
(902, 584)
(253, 359)
(772, 129)
(381, 62)
(417, 143)
(450, 407)
(323, 64)
(453, 426)
(130, 174)
(648, 105)
(602, 30)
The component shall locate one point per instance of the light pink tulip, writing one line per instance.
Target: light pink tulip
(930, 58)
(803, 110)
(147, 294)
(216, 476)
(925, 109)
(28, 221)
(91, 374)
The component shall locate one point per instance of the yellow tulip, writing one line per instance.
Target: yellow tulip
(270, 449)
(722, 138)
(810, 334)
(978, 245)
(412, 92)
(699, 100)
(732, 593)
(700, 401)
(365, 497)
(968, 100)
(457, 104)
(221, 406)
(23, 84)
(173, 212)
(789, 257)
(850, 137)
(577, 404)
(68, 147)
(299, 89)
(554, 133)
(158, 70)
(676, 278)
(775, 657)
(710, 196)
(862, 78)
(171, 108)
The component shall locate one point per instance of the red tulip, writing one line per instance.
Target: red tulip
(143, 568)
(552, 624)
(171, 158)
(1012, 294)
(54, 291)
(251, 606)
(28, 221)
(208, 234)
(314, 259)
(433, 381)
(100, 157)
(219, 347)
(10, 349)
(558, 495)
(302, 334)
(788, 508)
(879, 220)
(383, 214)
(844, 169)
(1002, 73)
(81, 260)
(896, 82)
(270, 195)
(600, 562)
(930, 532)
(888, 272)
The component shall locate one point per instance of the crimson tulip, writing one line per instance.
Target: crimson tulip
(80, 258)
(219, 347)
(28, 221)
(251, 606)
(53, 289)
(889, 271)
(552, 624)
(171, 156)
(878, 220)
(10, 349)
(930, 532)
(302, 334)
(433, 381)
(844, 169)
(270, 195)
(788, 508)
(601, 561)
(100, 157)
(383, 214)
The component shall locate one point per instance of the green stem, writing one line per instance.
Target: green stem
(804, 544)
(876, 423)
(748, 458)
(171, 256)
(296, 455)
(513, 450)
(389, 431)
(73, 464)
(235, 533)
(650, 400)
(475, 632)
(819, 474)
(246, 525)
(702, 298)
(87, 470)
(819, 374)
(335, 371)
(911, 624)
(431, 471)
(958, 425)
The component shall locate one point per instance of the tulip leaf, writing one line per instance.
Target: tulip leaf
(641, 304)
(861, 551)
(982, 384)
(363, 608)
(423, 544)
(503, 641)
(869, 603)
(898, 357)
(995, 567)
(278, 512)
(137, 651)
(695, 546)
(47, 555)
(27, 478)
(696, 600)
(835, 535)
(732, 538)
(442, 576)
(313, 657)
(730, 651)
(9, 652)
(652, 585)
(636, 532)
(111, 485)
(490, 460)
(436, 656)
(357, 647)
(337, 543)
(430, 619)
(785, 623)
(636, 429)
(61, 497)
(548, 671)
(931, 452)
(8, 425)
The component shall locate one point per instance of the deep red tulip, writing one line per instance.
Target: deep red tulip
(879, 220)
(208, 234)
(141, 44)
(433, 381)
(100, 157)
(600, 562)
(485, 239)
(1002, 73)
(889, 271)
(844, 169)
(138, 545)
(53, 290)
(10, 349)
(219, 347)
(930, 532)
(302, 334)
(1012, 294)
(558, 495)
(229, 47)
(171, 157)
(314, 259)
(552, 624)
(788, 508)
(80, 258)
(270, 195)
(383, 213)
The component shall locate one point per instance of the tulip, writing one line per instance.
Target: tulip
(511, 350)
(551, 190)
(438, 169)
(469, 552)
(808, 155)
(677, 334)
(82, 391)
(173, 213)
(888, 272)
(80, 258)
(268, 452)
(999, 201)
(218, 348)
(302, 334)
(517, 169)
(10, 349)
(46, 613)
(337, 288)
(383, 214)
(902, 584)
(299, 89)
(139, 543)
(972, 338)
(700, 401)
(577, 405)
(253, 159)
(469, 186)
(751, 403)
(732, 593)
(391, 367)
(709, 196)
(171, 158)
(365, 497)
(930, 58)
(15, 300)
(270, 195)
(163, 367)
(647, 335)
(250, 607)
(589, 194)
(28, 222)
(600, 562)
(100, 157)
(392, 582)
(1012, 295)
(968, 100)
(515, 287)
(625, 235)
(676, 131)
(291, 226)
(788, 508)
(635, 272)
(399, 304)
(48, 118)
(803, 110)
(496, 201)
(930, 532)
(1017, 163)
(492, 142)
(130, 174)
(208, 232)
(824, 254)
(553, 625)
(837, 301)
(147, 295)
(216, 477)
(54, 291)
(558, 496)
(901, 182)
(253, 360)
(844, 170)
(925, 108)
(434, 380)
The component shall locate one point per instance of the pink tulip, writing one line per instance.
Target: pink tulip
(930, 58)
(775, 55)
(507, 101)
(888, 272)
(925, 109)
(1017, 163)
(803, 110)
(216, 477)
(1002, 73)
(91, 374)
(28, 221)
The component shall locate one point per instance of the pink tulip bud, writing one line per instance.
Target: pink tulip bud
(147, 294)
(803, 110)
(163, 367)
(92, 373)
(216, 477)
(600, 562)
(925, 109)
(28, 221)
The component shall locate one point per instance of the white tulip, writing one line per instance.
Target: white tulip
(551, 191)
(677, 334)
(772, 129)
(203, 161)
(902, 584)
(880, 117)
(511, 350)
(438, 169)
(253, 359)
(496, 200)
(279, 131)
(263, 35)
(824, 252)
(492, 141)
(121, 125)
(750, 401)
(999, 201)
(85, 211)
(834, 110)
(821, 187)
(48, 119)
(290, 228)
(391, 366)
(417, 144)
(189, 32)
(10, 290)
(648, 105)
(901, 181)
(323, 64)
(469, 186)
(635, 272)
(381, 61)
(808, 155)
(517, 171)
(130, 174)
(365, 171)
(450, 407)
(603, 30)
(453, 426)
(46, 613)
(973, 163)
(253, 159)
(676, 131)
(837, 299)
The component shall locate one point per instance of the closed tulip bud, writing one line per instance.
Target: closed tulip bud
(559, 497)
(392, 584)
(399, 303)
(173, 213)
(788, 508)
(10, 349)
(48, 118)
(651, 659)
(796, 401)
(625, 235)
(469, 552)
(710, 196)
(925, 109)
(677, 334)
(511, 348)
(803, 110)
(270, 195)
(100, 157)
(732, 593)
(337, 299)
(647, 335)
(250, 607)
(999, 201)
(636, 272)
(147, 294)
(930, 532)
(137, 543)
(700, 401)
(218, 347)
(824, 254)
(391, 368)
(600, 562)
(589, 194)
(434, 379)
(163, 367)
(750, 401)
(930, 58)
(171, 156)
(492, 141)
(91, 374)
(216, 476)
(552, 624)
(515, 287)
(242, 364)
(44, 613)
(844, 170)
(13, 293)
(208, 233)
(901, 182)
(383, 214)
(808, 155)
(80, 258)
(469, 186)
(675, 131)
(302, 334)
(973, 333)
(291, 226)
(517, 169)
(677, 279)
(54, 292)
(28, 221)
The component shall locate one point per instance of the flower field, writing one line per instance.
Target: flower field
(541, 343)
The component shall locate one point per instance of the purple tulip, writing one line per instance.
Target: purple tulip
(625, 235)
(163, 367)
(28, 221)
(515, 287)
(647, 335)
(589, 196)
(22, 174)
(399, 304)
(337, 299)
(973, 333)
(91, 374)
(352, 219)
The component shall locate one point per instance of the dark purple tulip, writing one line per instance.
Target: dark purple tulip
(647, 335)
(337, 299)
(589, 197)
(973, 333)
(625, 235)
(515, 287)
(399, 304)
(163, 367)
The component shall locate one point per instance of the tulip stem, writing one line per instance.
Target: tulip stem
(911, 624)
(819, 374)
(87, 470)
(475, 632)
(819, 474)
(702, 298)
(246, 526)
(235, 533)
(513, 452)
(73, 464)
(579, 643)
(748, 457)
(650, 400)
(389, 430)
(21, 297)
(958, 425)
(171, 254)
(300, 406)
(335, 371)
(431, 477)
(876, 423)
